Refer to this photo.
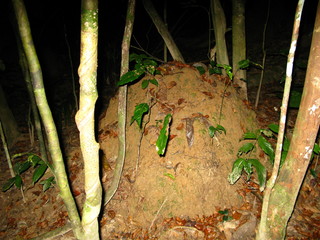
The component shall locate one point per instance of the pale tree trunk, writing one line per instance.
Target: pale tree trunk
(122, 104)
(46, 115)
(163, 30)
(293, 171)
(219, 25)
(239, 44)
(85, 118)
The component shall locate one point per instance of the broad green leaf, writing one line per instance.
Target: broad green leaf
(215, 70)
(8, 184)
(18, 181)
(34, 159)
(144, 84)
(244, 64)
(130, 77)
(212, 131)
(227, 68)
(201, 70)
(247, 167)
(266, 147)
(221, 129)
(261, 172)
(283, 157)
(274, 127)
(47, 183)
(21, 167)
(38, 173)
(139, 111)
(137, 57)
(236, 170)
(162, 140)
(224, 212)
(154, 82)
(247, 147)
(249, 135)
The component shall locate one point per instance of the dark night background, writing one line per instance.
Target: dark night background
(56, 23)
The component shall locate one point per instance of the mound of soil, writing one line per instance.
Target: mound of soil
(190, 179)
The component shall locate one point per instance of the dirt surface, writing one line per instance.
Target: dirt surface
(181, 195)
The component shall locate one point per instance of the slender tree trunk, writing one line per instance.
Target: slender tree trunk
(122, 107)
(219, 25)
(163, 30)
(286, 189)
(239, 44)
(46, 115)
(85, 118)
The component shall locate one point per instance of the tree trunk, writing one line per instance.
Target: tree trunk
(239, 44)
(163, 30)
(46, 115)
(85, 118)
(286, 189)
(219, 25)
(122, 103)
(8, 121)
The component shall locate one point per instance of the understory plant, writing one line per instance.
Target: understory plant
(32, 160)
(259, 138)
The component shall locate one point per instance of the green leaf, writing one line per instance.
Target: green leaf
(130, 77)
(144, 84)
(261, 172)
(201, 69)
(268, 133)
(139, 111)
(286, 144)
(312, 171)
(249, 135)
(212, 131)
(154, 82)
(38, 173)
(316, 148)
(221, 129)
(137, 57)
(295, 98)
(283, 157)
(21, 167)
(162, 140)
(274, 127)
(48, 183)
(228, 69)
(215, 70)
(34, 159)
(247, 167)
(244, 64)
(8, 184)
(247, 147)
(224, 212)
(170, 176)
(236, 170)
(266, 147)
(18, 181)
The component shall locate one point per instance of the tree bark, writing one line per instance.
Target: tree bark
(219, 25)
(122, 105)
(163, 30)
(46, 115)
(85, 118)
(239, 44)
(293, 171)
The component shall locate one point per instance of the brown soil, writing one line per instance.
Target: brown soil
(175, 196)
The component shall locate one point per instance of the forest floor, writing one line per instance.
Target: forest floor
(183, 195)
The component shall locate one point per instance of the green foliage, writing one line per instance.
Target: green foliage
(139, 112)
(145, 83)
(20, 167)
(246, 63)
(162, 140)
(213, 130)
(225, 215)
(214, 69)
(227, 68)
(143, 65)
(201, 69)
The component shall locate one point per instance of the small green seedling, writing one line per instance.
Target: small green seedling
(34, 161)
(213, 130)
(225, 215)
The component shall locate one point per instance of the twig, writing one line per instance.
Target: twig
(264, 55)
(156, 216)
